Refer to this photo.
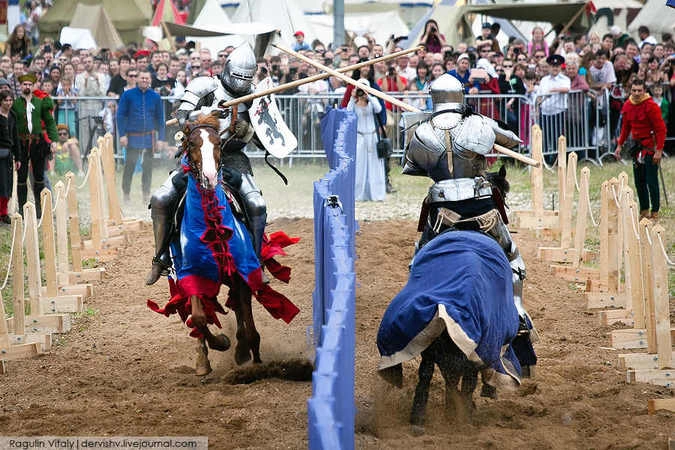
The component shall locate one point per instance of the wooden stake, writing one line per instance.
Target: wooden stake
(73, 216)
(537, 173)
(102, 189)
(633, 275)
(582, 214)
(647, 273)
(18, 278)
(567, 202)
(664, 343)
(114, 210)
(613, 254)
(61, 234)
(605, 197)
(97, 222)
(48, 243)
(33, 259)
(562, 172)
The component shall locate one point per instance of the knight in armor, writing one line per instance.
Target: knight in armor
(202, 96)
(449, 146)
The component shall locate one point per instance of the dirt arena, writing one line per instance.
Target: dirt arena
(125, 370)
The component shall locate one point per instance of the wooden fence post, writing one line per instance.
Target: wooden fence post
(33, 259)
(567, 201)
(61, 234)
(108, 159)
(95, 201)
(632, 270)
(582, 215)
(73, 216)
(562, 172)
(537, 174)
(48, 243)
(18, 280)
(664, 343)
(9, 350)
(647, 273)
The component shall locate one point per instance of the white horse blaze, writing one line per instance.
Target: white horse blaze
(208, 163)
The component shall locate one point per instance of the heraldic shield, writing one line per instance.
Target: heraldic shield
(269, 125)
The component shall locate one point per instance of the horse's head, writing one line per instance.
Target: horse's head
(500, 188)
(202, 147)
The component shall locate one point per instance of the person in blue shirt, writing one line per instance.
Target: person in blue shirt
(462, 72)
(139, 116)
(300, 43)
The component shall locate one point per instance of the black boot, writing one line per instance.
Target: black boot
(160, 268)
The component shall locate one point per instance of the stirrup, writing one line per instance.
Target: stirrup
(159, 269)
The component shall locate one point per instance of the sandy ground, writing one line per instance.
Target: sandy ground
(125, 370)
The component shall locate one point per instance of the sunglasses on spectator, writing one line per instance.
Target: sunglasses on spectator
(197, 67)
(508, 66)
(132, 75)
(222, 55)
(539, 56)
(63, 133)
(484, 50)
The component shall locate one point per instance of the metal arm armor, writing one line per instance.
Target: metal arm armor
(197, 89)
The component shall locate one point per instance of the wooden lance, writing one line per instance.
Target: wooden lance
(394, 101)
(296, 83)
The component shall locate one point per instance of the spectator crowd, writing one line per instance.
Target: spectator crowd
(85, 85)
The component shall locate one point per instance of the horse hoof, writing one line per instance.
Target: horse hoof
(219, 342)
(242, 355)
(417, 430)
(202, 365)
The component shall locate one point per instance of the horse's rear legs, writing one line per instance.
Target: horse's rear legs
(425, 373)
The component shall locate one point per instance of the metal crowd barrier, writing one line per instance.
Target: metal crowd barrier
(588, 122)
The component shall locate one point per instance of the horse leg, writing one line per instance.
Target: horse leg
(202, 365)
(469, 383)
(242, 353)
(248, 339)
(451, 362)
(251, 333)
(217, 342)
(425, 373)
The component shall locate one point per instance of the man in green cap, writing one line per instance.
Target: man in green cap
(33, 119)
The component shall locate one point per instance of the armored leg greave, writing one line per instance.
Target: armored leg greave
(162, 209)
(255, 208)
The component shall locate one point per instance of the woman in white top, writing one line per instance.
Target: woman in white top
(370, 179)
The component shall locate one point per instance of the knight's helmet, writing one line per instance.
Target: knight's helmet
(447, 92)
(239, 70)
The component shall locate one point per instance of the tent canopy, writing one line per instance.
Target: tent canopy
(166, 11)
(96, 20)
(656, 16)
(128, 16)
(212, 17)
(455, 21)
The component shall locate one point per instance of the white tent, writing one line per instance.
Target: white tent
(212, 17)
(656, 16)
(78, 38)
(286, 16)
(380, 25)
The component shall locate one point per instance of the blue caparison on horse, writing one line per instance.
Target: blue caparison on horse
(457, 311)
(214, 247)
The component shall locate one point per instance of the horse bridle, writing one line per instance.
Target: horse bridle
(186, 143)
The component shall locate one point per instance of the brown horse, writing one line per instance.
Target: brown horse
(201, 146)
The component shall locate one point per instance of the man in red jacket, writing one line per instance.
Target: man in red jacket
(642, 120)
